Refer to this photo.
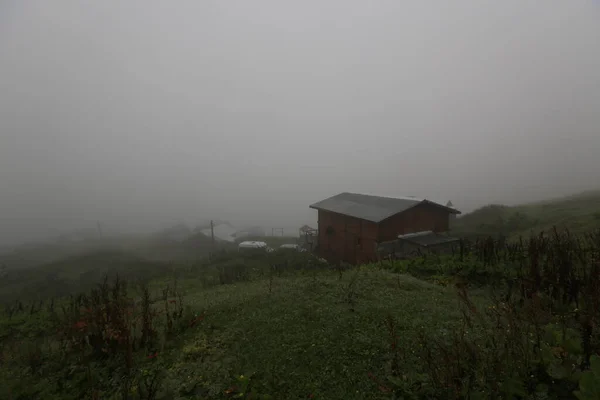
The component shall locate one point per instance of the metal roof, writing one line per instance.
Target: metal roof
(370, 208)
(427, 238)
(445, 203)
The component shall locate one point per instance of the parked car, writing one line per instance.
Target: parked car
(254, 246)
(293, 247)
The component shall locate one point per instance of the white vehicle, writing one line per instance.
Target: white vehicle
(252, 245)
(291, 247)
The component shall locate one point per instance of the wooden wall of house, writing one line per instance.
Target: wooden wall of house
(349, 239)
(424, 217)
(344, 238)
(404, 249)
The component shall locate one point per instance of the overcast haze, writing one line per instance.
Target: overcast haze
(142, 113)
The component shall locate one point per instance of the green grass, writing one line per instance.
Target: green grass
(281, 324)
(578, 213)
(306, 338)
(46, 270)
(310, 334)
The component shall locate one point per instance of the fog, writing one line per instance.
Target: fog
(141, 114)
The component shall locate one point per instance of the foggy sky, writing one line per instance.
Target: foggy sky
(137, 113)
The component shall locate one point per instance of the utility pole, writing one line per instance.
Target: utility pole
(212, 240)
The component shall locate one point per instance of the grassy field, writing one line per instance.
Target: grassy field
(151, 247)
(516, 319)
(75, 274)
(287, 326)
(313, 336)
(578, 213)
(298, 335)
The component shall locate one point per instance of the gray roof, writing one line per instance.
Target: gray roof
(370, 208)
(427, 238)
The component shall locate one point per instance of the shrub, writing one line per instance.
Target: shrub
(539, 336)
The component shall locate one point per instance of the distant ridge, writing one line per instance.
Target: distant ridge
(578, 213)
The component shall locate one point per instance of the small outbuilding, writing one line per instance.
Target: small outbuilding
(414, 244)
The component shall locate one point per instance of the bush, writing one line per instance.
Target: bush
(539, 337)
(104, 341)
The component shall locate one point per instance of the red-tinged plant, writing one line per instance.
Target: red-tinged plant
(196, 320)
(382, 388)
(108, 324)
(80, 325)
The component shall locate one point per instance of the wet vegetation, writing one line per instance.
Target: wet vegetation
(578, 213)
(495, 319)
(536, 336)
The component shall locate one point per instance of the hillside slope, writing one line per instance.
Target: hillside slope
(75, 274)
(577, 213)
(152, 247)
(301, 337)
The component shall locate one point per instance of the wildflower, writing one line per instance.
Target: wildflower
(151, 356)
